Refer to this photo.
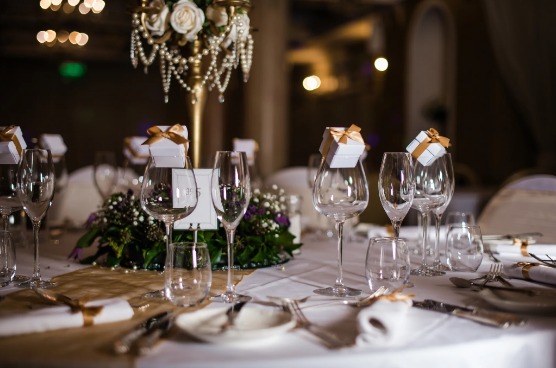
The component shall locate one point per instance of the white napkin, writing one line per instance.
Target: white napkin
(516, 249)
(540, 273)
(391, 315)
(55, 318)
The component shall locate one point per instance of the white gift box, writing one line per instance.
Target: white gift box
(12, 145)
(166, 153)
(249, 146)
(134, 151)
(54, 143)
(339, 154)
(431, 152)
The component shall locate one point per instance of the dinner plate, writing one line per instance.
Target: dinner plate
(520, 302)
(252, 325)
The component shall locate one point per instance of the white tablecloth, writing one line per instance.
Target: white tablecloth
(434, 337)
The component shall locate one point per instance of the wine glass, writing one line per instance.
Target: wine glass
(431, 191)
(396, 187)
(340, 194)
(105, 173)
(36, 189)
(320, 222)
(439, 211)
(230, 192)
(464, 247)
(387, 263)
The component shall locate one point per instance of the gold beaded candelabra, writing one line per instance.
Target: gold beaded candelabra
(199, 43)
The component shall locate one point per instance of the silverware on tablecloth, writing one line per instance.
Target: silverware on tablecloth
(464, 283)
(512, 236)
(146, 342)
(368, 300)
(125, 343)
(231, 315)
(486, 317)
(547, 262)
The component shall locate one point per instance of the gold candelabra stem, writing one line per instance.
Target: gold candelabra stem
(196, 105)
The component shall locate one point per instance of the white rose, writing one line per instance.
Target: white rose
(187, 19)
(157, 23)
(217, 15)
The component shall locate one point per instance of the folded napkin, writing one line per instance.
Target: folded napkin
(523, 249)
(533, 271)
(60, 317)
(383, 323)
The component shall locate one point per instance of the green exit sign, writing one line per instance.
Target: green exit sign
(72, 70)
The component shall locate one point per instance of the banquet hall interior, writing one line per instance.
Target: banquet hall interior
(480, 72)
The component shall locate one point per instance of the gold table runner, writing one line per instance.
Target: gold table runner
(89, 346)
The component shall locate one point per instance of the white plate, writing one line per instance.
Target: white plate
(252, 325)
(520, 302)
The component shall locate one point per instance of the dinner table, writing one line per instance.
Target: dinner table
(428, 338)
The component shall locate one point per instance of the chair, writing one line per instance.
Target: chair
(524, 205)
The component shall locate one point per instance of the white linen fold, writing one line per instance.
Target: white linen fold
(61, 317)
(531, 271)
(383, 323)
(516, 249)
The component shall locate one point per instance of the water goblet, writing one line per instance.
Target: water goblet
(459, 218)
(431, 191)
(464, 247)
(439, 211)
(169, 193)
(35, 190)
(396, 187)
(7, 258)
(387, 263)
(230, 193)
(340, 194)
(105, 173)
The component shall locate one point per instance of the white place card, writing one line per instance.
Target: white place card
(204, 215)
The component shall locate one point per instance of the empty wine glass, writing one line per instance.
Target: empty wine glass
(320, 222)
(464, 246)
(387, 263)
(340, 194)
(230, 193)
(36, 189)
(105, 173)
(396, 187)
(431, 191)
(439, 211)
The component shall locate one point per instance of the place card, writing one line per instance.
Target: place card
(54, 143)
(204, 216)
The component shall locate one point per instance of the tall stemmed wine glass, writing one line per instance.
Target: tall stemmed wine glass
(439, 211)
(36, 189)
(340, 194)
(230, 192)
(396, 186)
(431, 191)
(169, 192)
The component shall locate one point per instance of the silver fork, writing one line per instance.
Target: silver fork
(497, 272)
(490, 276)
(330, 339)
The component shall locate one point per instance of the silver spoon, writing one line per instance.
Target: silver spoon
(464, 283)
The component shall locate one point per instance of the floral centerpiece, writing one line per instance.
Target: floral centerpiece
(126, 236)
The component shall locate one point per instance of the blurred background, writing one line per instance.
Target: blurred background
(480, 72)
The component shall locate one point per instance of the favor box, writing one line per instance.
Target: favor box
(249, 146)
(342, 147)
(165, 151)
(12, 144)
(54, 143)
(134, 151)
(425, 148)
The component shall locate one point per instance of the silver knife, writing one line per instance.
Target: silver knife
(486, 317)
(124, 343)
(146, 342)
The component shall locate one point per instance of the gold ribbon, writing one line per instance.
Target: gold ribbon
(173, 133)
(523, 246)
(134, 153)
(432, 137)
(341, 135)
(394, 296)
(8, 135)
(89, 313)
(525, 268)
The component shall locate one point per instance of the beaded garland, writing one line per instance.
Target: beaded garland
(175, 61)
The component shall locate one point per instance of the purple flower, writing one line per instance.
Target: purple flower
(91, 219)
(76, 253)
(282, 220)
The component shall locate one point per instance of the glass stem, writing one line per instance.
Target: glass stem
(396, 227)
(340, 278)
(438, 218)
(168, 226)
(36, 268)
(230, 289)
(425, 224)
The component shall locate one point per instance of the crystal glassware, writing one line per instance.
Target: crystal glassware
(431, 191)
(35, 189)
(387, 263)
(340, 194)
(396, 186)
(439, 211)
(105, 173)
(464, 247)
(230, 193)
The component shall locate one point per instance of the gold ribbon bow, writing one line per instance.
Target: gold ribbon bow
(395, 296)
(172, 133)
(89, 313)
(432, 137)
(8, 135)
(353, 132)
(526, 266)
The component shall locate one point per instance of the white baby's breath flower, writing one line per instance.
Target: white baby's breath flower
(141, 218)
(134, 223)
(187, 19)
